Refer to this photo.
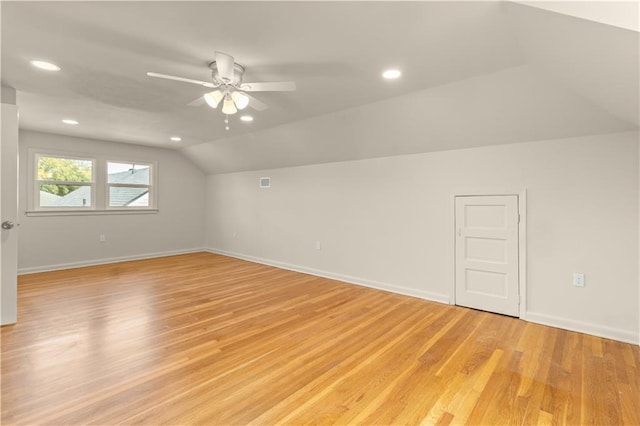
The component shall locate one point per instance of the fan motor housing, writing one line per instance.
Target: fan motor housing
(238, 72)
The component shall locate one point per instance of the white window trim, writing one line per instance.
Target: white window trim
(100, 186)
(34, 183)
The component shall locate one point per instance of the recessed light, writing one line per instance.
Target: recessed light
(176, 138)
(246, 118)
(43, 65)
(70, 121)
(391, 74)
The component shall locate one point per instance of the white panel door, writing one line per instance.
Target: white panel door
(9, 214)
(487, 253)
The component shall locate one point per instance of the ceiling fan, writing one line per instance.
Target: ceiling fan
(230, 90)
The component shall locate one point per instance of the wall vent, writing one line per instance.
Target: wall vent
(265, 182)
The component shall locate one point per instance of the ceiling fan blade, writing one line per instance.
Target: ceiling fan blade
(256, 104)
(224, 63)
(272, 86)
(185, 80)
(199, 101)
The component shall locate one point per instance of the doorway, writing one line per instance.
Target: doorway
(487, 253)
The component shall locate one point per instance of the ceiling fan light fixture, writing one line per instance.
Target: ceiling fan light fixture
(213, 98)
(228, 107)
(228, 88)
(240, 99)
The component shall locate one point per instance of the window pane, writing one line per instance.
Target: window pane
(64, 169)
(128, 197)
(128, 173)
(65, 196)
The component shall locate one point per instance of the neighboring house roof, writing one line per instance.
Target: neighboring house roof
(139, 176)
(49, 199)
(124, 196)
(142, 201)
(118, 197)
(81, 197)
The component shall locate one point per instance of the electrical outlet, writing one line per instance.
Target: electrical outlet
(578, 279)
(102, 238)
(318, 245)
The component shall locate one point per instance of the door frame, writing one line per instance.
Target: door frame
(522, 241)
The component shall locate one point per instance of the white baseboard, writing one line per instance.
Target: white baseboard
(544, 319)
(535, 317)
(93, 262)
(583, 327)
(426, 295)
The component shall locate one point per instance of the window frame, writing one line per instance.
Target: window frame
(100, 185)
(36, 182)
(151, 185)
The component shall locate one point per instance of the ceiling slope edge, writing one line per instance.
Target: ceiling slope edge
(621, 14)
(511, 106)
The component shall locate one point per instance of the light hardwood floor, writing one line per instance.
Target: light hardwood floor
(207, 339)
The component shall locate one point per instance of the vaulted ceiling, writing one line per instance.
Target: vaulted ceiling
(474, 73)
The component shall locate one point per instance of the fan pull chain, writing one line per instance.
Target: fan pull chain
(226, 122)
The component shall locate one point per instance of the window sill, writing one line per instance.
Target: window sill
(89, 212)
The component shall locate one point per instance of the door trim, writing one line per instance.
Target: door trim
(522, 241)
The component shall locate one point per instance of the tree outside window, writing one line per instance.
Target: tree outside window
(65, 182)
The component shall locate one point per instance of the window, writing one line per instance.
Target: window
(128, 184)
(64, 182)
(72, 184)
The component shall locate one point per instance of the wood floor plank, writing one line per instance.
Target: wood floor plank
(208, 339)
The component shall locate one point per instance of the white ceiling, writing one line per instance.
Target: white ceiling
(566, 75)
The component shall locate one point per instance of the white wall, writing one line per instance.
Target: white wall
(387, 222)
(65, 241)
